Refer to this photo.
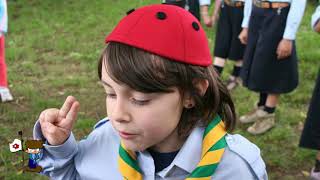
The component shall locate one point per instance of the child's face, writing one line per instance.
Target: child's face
(143, 120)
(33, 151)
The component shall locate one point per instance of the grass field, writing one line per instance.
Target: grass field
(52, 51)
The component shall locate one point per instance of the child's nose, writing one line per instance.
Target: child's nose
(120, 112)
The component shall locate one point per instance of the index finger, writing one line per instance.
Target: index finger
(71, 117)
(66, 106)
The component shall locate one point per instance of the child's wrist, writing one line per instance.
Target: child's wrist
(288, 40)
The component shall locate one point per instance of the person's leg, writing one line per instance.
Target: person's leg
(271, 103)
(253, 116)
(317, 164)
(236, 69)
(5, 94)
(234, 79)
(3, 66)
(218, 64)
(262, 100)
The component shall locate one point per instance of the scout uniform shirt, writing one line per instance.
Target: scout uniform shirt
(96, 157)
(207, 2)
(294, 17)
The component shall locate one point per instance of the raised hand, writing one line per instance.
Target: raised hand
(56, 124)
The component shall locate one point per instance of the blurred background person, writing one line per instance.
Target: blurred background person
(227, 44)
(270, 65)
(191, 5)
(310, 137)
(5, 94)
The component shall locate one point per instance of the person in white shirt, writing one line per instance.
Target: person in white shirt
(270, 61)
(227, 44)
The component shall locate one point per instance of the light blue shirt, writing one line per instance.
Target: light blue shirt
(3, 16)
(315, 17)
(204, 2)
(96, 157)
(208, 2)
(293, 20)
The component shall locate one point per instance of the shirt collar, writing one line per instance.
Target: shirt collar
(189, 155)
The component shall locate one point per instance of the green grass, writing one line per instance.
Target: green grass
(52, 51)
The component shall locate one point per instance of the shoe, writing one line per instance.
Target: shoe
(5, 94)
(233, 82)
(37, 169)
(264, 122)
(314, 175)
(251, 116)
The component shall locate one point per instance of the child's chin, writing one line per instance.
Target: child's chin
(134, 147)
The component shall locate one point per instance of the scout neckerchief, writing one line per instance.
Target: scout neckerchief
(213, 147)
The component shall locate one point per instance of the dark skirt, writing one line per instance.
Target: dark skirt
(262, 71)
(310, 137)
(227, 43)
(194, 6)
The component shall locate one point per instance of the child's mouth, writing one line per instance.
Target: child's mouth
(126, 135)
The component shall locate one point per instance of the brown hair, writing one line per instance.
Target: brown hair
(34, 144)
(146, 72)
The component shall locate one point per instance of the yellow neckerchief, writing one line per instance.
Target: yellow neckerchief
(213, 147)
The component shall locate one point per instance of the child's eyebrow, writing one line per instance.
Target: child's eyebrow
(105, 83)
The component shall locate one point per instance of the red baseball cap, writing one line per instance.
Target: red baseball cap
(166, 30)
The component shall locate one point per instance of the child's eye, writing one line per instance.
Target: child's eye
(140, 102)
(110, 95)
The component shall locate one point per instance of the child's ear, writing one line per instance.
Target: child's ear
(188, 101)
(201, 85)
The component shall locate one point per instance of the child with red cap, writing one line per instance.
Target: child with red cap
(168, 112)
